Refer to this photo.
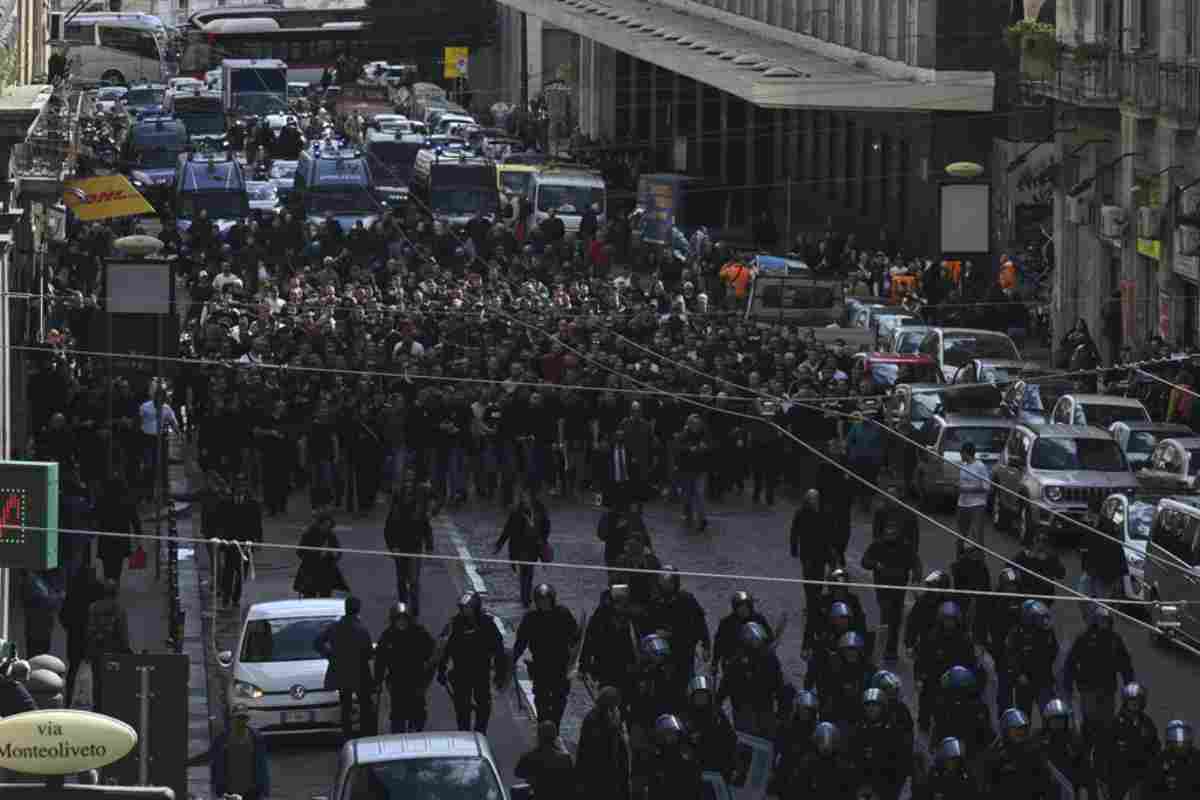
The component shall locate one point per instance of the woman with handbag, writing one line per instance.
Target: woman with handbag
(319, 574)
(527, 533)
(116, 513)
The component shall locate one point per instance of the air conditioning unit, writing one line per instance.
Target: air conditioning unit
(1112, 222)
(1077, 210)
(1149, 223)
(1188, 211)
(1189, 241)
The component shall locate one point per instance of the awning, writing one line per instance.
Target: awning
(765, 71)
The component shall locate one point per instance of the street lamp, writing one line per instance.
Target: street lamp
(1087, 183)
(1020, 160)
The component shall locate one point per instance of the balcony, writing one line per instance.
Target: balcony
(1144, 84)
(1094, 83)
(1179, 93)
(48, 152)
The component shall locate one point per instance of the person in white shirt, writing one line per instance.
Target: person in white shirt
(974, 485)
(150, 416)
(227, 278)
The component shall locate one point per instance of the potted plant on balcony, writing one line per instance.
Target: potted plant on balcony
(1038, 46)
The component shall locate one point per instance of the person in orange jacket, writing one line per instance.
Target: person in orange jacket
(737, 276)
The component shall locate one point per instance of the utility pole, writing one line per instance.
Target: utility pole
(5, 404)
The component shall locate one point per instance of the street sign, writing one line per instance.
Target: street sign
(455, 62)
(29, 514)
(62, 742)
(149, 691)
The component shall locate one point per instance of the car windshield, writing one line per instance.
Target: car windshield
(341, 200)
(261, 191)
(283, 170)
(985, 439)
(144, 97)
(891, 374)
(1141, 442)
(1103, 416)
(1141, 517)
(569, 199)
(111, 93)
(218, 204)
(516, 182)
(925, 404)
(958, 349)
(1096, 455)
(997, 374)
(909, 342)
(458, 202)
(273, 640)
(259, 104)
(393, 159)
(425, 779)
(203, 124)
(158, 157)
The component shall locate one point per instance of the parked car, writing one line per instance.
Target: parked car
(276, 671)
(935, 479)
(1173, 466)
(1173, 571)
(885, 324)
(1097, 410)
(952, 348)
(1129, 519)
(455, 765)
(908, 339)
(1137, 439)
(1031, 401)
(993, 370)
(1056, 474)
(884, 370)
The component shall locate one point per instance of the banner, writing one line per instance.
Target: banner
(106, 197)
(454, 63)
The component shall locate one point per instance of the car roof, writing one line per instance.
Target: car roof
(972, 331)
(1187, 502)
(1068, 432)
(404, 746)
(974, 420)
(1152, 427)
(297, 609)
(1106, 399)
(895, 358)
(1186, 442)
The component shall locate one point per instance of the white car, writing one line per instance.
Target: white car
(184, 85)
(277, 673)
(264, 196)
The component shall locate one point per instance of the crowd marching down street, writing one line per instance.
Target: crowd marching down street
(420, 368)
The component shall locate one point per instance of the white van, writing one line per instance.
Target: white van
(567, 190)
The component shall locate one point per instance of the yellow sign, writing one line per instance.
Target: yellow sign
(1150, 248)
(104, 198)
(62, 742)
(454, 64)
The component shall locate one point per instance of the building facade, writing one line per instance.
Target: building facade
(1124, 93)
(837, 113)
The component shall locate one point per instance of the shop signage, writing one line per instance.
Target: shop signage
(1150, 248)
(106, 197)
(62, 742)
(455, 62)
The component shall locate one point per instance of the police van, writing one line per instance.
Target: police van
(391, 156)
(212, 183)
(454, 186)
(336, 183)
(151, 153)
(201, 113)
(569, 191)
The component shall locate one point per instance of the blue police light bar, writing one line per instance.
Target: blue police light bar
(29, 514)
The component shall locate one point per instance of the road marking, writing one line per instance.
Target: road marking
(468, 564)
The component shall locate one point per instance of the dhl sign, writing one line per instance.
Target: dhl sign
(105, 197)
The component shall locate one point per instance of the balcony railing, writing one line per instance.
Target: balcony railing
(48, 152)
(1145, 83)
(1091, 83)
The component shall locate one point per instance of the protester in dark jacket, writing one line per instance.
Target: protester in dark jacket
(116, 512)
(349, 647)
(548, 767)
(527, 533)
(811, 543)
(82, 590)
(603, 756)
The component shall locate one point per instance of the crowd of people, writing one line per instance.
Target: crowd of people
(421, 366)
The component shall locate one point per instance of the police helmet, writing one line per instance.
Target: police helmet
(400, 610)
(1014, 725)
(1035, 614)
(958, 679)
(741, 598)
(1007, 580)
(618, 594)
(1101, 617)
(937, 580)
(839, 575)
(839, 615)
(471, 601)
(668, 579)
(807, 704)
(825, 738)
(949, 612)
(655, 648)
(1133, 697)
(1179, 736)
(851, 642)
(949, 754)
(544, 591)
(873, 704)
(1056, 714)
(888, 682)
(700, 688)
(753, 635)
(668, 730)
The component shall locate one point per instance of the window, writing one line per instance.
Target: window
(443, 778)
(80, 34)
(986, 440)
(1104, 415)
(1096, 455)
(121, 39)
(146, 45)
(960, 348)
(1175, 531)
(273, 640)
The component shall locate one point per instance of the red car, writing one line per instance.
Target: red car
(874, 373)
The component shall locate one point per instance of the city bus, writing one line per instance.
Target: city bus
(115, 49)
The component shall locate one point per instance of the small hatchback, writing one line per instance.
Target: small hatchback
(455, 765)
(277, 672)
(1097, 410)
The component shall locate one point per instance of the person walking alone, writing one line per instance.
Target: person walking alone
(974, 484)
(527, 533)
(349, 647)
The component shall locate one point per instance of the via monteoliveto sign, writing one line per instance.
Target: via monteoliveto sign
(56, 742)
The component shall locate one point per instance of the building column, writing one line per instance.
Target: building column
(809, 144)
(1170, 285)
(673, 124)
(700, 166)
(753, 191)
(534, 60)
(724, 167)
(1132, 268)
(652, 98)
(604, 60)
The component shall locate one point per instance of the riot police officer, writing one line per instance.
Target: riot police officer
(1129, 747)
(1176, 773)
(709, 732)
(610, 655)
(1030, 653)
(826, 773)
(842, 688)
(817, 625)
(674, 770)
(923, 615)
(727, 640)
(678, 615)
(1015, 767)
(794, 744)
(949, 778)
(1096, 665)
(551, 634)
(754, 684)
(655, 688)
(476, 652)
(1000, 614)
(1065, 747)
(899, 717)
(961, 712)
(404, 662)
(944, 645)
(881, 763)
(823, 649)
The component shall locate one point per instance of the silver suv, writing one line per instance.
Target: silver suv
(1067, 469)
